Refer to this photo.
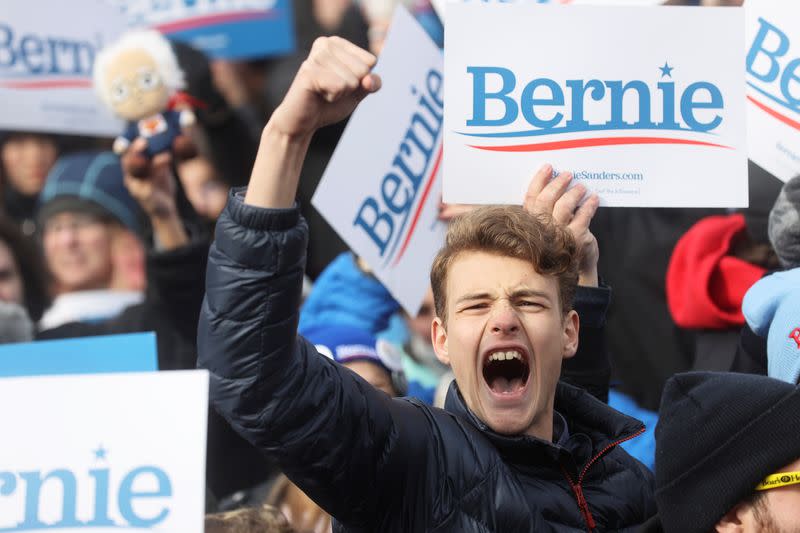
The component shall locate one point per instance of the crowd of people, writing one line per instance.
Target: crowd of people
(571, 368)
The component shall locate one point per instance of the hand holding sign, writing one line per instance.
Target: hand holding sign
(552, 197)
(329, 85)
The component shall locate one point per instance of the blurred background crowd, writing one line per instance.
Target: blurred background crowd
(87, 250)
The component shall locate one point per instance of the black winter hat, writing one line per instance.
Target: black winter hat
(719, 435)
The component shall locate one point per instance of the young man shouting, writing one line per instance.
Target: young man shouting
(515, 450)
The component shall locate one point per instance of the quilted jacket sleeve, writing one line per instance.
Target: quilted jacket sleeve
(333, 434)
(590, 369)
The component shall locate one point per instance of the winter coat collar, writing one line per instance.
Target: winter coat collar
(583, 428)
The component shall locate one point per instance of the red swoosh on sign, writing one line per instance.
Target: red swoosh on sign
(47, 84)
(775, 114)
(199, 22)
(587, 143)
(431, 179)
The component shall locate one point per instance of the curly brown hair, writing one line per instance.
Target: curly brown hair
(509, 231)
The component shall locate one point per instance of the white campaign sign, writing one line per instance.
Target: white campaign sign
(382, 188)
(47, 50)
(639, 116)
(439, 5)
(773, 86)
(104, 452)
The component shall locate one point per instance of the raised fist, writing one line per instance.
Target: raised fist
(331, 82)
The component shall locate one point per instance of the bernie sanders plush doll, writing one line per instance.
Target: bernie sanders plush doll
(139, 78)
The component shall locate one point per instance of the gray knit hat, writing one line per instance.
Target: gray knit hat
(784, 224)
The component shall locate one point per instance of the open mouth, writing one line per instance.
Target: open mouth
(506, 372)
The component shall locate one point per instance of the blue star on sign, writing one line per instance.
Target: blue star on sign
(666, 70)
(100, 453)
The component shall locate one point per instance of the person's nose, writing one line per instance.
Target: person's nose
(504, 321)
(66, 236)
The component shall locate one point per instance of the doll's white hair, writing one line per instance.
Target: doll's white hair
(155, 45)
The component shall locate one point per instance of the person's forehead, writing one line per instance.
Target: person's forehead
(477, 272)
(67, 215)
(82, 218)
(26, 138)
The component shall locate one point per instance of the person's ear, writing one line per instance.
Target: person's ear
(439, 339)
(734, 520)
(572, 326)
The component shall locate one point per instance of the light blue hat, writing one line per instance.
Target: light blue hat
(772, 309)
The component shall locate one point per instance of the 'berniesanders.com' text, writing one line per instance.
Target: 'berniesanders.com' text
(604, 175)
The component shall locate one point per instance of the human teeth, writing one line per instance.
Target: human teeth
(505, 356)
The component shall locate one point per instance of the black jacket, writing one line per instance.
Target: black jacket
(646, 345)
(382, 464)
(175, 281)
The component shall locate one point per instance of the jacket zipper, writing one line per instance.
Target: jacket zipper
(577, 488)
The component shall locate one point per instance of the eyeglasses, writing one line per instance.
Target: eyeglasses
(781, 479)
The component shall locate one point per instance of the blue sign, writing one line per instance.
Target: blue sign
(235, 29)
(134, 352)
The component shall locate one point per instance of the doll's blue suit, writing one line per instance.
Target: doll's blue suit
(160, 131)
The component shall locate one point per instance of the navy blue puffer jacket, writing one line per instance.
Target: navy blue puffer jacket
(393, 465)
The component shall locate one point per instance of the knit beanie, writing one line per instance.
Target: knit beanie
(772, 309)
(784, 224)
(347, 344)
(344, 295)
(89, 182)
(718, 436)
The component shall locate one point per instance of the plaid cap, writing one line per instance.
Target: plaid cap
(92, 181)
